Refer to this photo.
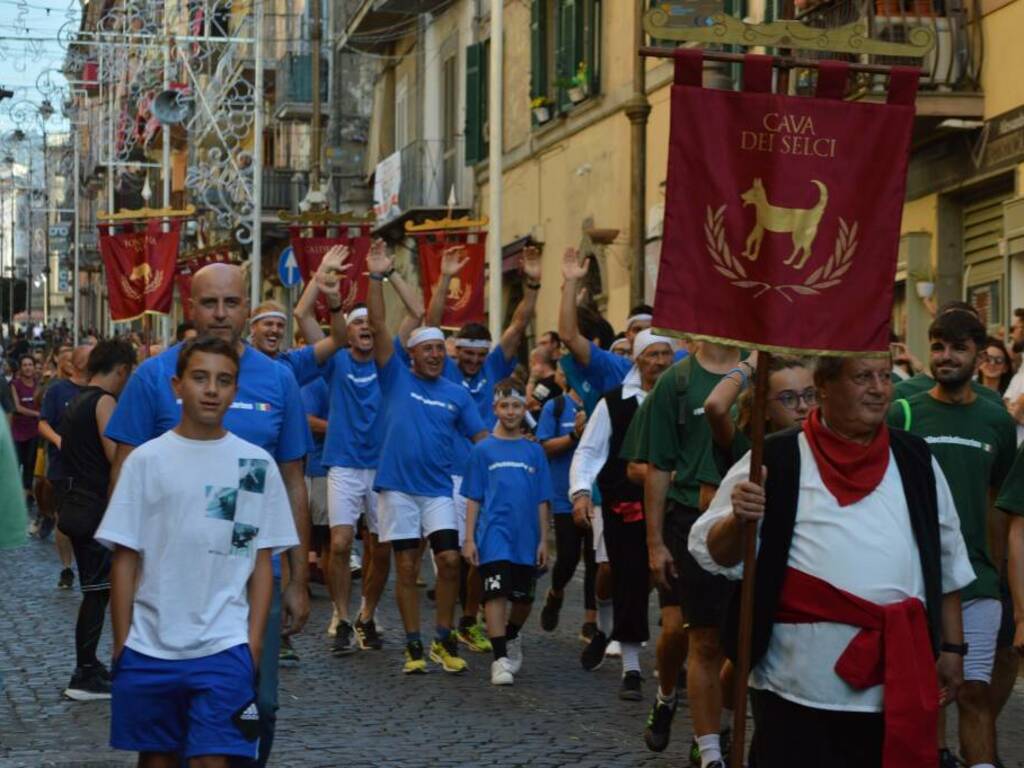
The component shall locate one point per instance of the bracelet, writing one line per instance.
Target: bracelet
(574, 437)
(959, 650)
(389, 273)
(579, 494)
(533, 286)
(378, 276)
(743, 376)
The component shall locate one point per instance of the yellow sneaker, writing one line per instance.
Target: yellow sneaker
(475, 639)
(447, 655)
(415, 664)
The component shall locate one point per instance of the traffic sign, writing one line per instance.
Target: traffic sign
(288, 268)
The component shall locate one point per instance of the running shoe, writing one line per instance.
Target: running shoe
(415, 664)
(549, 613)
(658, 730)
(67, 579)
(947, 759)
(593, 655)
(287, 656)
(632, 688)
(368, 636)
(332, 628)
(355, 564)
(344, 644)
(501, 672)
(447, 655)
(88, 684)
(694, 754)
(587, 631)
(475, 638)
(515, 653)
(614, 649)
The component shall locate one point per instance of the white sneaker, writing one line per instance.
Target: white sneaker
(332, 628)
(515, 654)
(355, 562)
(613, 649)
(501, 672)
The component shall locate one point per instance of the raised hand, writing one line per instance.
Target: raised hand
(531, 264)
(453, 260)
(350, 299)
(378, 260)
(328, 274)
(572, 267)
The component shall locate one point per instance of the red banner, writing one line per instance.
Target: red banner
(309, 252)
(140, 266)
(782, 217)
(465, 303)
(194, 261)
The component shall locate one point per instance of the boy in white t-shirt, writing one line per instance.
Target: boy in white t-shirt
(193, 521)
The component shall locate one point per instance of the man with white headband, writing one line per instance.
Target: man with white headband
(477, 368)
(425, 415)
(597, 461)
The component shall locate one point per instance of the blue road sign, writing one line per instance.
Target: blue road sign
(288, 268)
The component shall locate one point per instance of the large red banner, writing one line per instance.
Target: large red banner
(782, 217)
(309, 252)
(465, 302)
(140, 266)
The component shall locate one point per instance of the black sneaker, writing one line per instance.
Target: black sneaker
(549, 613)
(88, 684)
(632, 688)
(367, 636)
(947, 759)
(658, 730)
(587, 631)
(66, 580)
(343, 641)
(287, 656)
(593, 655)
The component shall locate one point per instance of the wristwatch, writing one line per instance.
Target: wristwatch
(959, 650)
(378, 276)
(533, 286)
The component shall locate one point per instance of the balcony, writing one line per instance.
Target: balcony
(951, 88)
(374, 21)
(293, 98)
(283, 189)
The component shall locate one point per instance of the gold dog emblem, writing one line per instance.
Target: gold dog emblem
(802, 223)
(142, 272)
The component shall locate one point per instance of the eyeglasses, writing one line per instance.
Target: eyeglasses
(993, 359)
(790, 398)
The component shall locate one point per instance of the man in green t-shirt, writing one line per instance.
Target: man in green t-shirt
(13, 517)
(672, 436)
(974, 442)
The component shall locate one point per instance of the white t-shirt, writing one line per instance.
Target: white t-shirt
(1013, 392)
(196, 511)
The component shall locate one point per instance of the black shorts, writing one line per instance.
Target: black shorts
(517, 583)
(1007, 626)
(703, 597)
(93, 561)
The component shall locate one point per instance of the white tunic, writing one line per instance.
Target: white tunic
(866, 548)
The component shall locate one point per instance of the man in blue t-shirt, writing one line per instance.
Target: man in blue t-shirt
(478, 368)
(424, 416)
(316, 403)
(267, 411)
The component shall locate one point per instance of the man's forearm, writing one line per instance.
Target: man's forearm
(556, 446)
(725, 541)
(655, 492)
(298, 560)
(412, 300)
(1015, 566)
(48, 433)
(952, 619)
(437, 301)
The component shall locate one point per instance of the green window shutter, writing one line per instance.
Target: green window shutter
(538, 50)
(592, 22)
(474, 104)
(569, 48)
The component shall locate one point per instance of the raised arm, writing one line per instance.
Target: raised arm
(718, 406)
(328, 280)
(452, 261)
(568, 327)
(305, 313)
(513, 335)
(378, 262)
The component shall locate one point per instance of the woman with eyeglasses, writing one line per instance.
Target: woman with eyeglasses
(995, 371)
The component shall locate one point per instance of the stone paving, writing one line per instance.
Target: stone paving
(357, 711)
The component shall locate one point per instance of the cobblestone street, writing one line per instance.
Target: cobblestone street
(357, 711)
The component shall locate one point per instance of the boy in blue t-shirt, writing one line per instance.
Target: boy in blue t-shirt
(508, 491)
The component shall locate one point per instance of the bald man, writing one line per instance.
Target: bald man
(267, 411)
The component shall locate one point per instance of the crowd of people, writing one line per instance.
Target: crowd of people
(198, 489)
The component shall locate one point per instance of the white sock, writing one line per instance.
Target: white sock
(630, 657)
(725, 723)
(983, 765)
(710, 749)
(666, 698)
(605, 616)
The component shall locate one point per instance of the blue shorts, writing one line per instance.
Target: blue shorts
(191, 707)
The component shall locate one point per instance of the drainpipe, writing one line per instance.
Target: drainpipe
(638, 109)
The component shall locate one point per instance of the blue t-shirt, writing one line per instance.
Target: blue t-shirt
(315, 400)
(606, 370)
(548, 428)
(423, 419)
(480, 387)
(574, 376)
(510, 479)
(301, 362)
(55, 402)
(355, 426)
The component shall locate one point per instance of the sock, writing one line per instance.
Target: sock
(668, 699)
(413, 637)
(630, 657)
(500, 647)
(605, 617)
(725, 722)
(512, 630)
(466, 622)
(442, 633)
(710, 749)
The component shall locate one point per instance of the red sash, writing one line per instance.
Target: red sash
(893, 648)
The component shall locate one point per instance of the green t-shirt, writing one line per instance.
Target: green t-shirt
(922, 382)
(1011, 496)
(975, 446)
(13, 517)
(657, 437)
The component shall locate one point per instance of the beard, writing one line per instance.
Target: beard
(953, 377)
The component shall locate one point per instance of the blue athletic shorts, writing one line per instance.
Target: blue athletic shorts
(190, 707)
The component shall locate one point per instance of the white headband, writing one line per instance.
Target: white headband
(357, 313)
(424, 334)
(640, 318)
(268, 313)
(623, 342)
(472, 344)
(509, 394)
(646, 338)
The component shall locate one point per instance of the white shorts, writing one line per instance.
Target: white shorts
(460, 507)
(981, 619)
(597, 526)
(350, 495)
(404, 516)
(316, 491)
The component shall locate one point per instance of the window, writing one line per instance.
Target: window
(565, 53)
(449, 120)
(478, 58)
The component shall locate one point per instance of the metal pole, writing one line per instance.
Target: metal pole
(75, 293)
(638, 111)
(31, 243)
(165, 171)
(315, 35)
(256, 260)
(496, 97)
(46, 233)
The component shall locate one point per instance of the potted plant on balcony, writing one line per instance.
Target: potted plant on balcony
(578, 87)
(541, 108)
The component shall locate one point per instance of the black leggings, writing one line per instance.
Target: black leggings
(626, 544)
(26, 452)
(89, 626)
(569, 540)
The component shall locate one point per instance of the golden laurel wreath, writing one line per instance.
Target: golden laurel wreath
(153, 285)
(826, 276)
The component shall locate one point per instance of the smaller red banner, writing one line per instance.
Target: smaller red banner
(310, 251)
(465, 302)
(140, 266)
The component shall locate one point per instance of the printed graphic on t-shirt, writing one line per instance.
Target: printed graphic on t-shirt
(222, 504)
(252, 474)
(242, 537)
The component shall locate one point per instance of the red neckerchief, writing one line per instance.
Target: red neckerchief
(849, 470)
(893, 648)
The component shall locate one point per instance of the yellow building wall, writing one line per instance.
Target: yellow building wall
(1004, 59)
(922, 215)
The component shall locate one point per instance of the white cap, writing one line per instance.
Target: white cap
(646, 338)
